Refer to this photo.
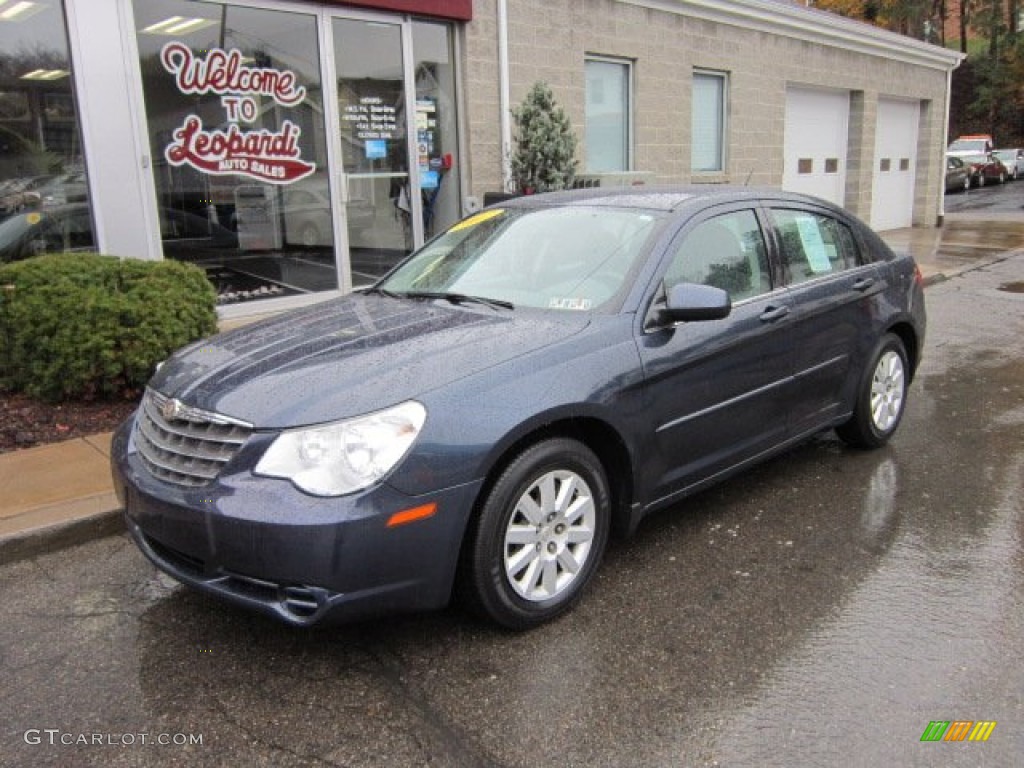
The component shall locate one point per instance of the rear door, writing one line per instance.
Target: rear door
(831, 292)
(716, 389)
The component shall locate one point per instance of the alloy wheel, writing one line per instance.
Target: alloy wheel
(549, 535)
(887, 391)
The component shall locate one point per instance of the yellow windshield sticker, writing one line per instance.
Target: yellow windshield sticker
(479, 218)
(33, 218)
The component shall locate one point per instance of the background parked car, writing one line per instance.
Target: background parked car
(980, 143)
(986, 168)
(958, 174)
(1013, 159)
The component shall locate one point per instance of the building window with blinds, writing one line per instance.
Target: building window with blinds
(609, 115)
(708, 122)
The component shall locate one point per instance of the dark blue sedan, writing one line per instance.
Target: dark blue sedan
(540, 375)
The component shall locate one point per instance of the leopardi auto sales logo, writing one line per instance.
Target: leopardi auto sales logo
(269, 156)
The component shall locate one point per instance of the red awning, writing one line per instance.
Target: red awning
(460, 10)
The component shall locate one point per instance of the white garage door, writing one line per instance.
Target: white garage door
(817, 127)
(892, 201)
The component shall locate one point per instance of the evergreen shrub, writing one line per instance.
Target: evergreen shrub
(544, 159)
(86, 326)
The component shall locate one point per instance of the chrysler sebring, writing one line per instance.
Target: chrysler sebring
(537, 377)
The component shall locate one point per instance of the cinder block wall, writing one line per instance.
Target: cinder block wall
(549, 40)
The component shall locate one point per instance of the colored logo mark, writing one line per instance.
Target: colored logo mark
(958, 730)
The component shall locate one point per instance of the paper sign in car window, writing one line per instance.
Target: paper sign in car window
(480, 218)
(814, 246)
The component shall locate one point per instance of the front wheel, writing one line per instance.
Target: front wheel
(881, 396)
(539, 536)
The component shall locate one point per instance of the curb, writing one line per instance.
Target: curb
(42, 541)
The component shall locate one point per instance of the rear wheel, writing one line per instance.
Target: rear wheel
(881, 396)
(539, 536)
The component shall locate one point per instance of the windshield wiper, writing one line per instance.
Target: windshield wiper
(458, 298)
(381, 292)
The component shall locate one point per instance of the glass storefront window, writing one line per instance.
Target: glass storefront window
(44, 200)
(234, 105)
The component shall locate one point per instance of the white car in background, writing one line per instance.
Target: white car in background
(1013, 159)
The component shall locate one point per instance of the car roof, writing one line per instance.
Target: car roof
(658, 198)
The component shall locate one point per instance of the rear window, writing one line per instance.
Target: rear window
(814, 245)
(969, 145)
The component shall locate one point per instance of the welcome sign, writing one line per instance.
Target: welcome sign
(260, 154)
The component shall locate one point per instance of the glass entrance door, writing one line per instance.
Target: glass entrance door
(383, 215)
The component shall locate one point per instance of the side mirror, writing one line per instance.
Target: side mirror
(688, 302)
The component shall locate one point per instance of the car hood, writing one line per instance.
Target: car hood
(350, 356)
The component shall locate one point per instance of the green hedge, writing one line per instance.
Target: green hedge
(82, 326)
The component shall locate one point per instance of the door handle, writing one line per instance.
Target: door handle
(771, 314)
(864, 284)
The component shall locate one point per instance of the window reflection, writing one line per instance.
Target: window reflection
(43, 191)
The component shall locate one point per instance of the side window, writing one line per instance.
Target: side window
(727, 252)
(814, 245)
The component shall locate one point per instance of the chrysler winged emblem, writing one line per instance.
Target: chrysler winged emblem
(172, 409)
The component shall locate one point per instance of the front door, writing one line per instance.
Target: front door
(717, 389)
(395, 91)
(381, 212)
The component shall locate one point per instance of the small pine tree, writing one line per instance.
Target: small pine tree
(545, 156)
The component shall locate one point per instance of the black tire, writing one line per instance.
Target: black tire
(881, 396)
(503, 539)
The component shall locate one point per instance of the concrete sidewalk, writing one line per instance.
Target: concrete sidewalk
(62, 494)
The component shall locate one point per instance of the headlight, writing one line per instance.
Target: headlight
(346, 456)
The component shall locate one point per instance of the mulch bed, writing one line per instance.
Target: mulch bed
(25, 422)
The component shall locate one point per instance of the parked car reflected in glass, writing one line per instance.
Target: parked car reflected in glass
(958, 175)
(31, 233)
(1013, 159)
(308, 215)
(66, 228)
(986, 169)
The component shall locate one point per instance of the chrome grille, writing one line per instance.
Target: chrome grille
(188, 446)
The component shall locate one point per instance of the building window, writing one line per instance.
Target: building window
(609, 115)
(708, 122)
(44, 197)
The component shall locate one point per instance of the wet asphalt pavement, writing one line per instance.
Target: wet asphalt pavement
(819, 610)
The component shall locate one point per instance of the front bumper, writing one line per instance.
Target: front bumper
(263, 544)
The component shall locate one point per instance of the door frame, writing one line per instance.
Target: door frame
(338, 183)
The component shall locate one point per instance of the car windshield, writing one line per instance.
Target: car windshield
(1007, 154)
(573, 258)
(976, 159)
